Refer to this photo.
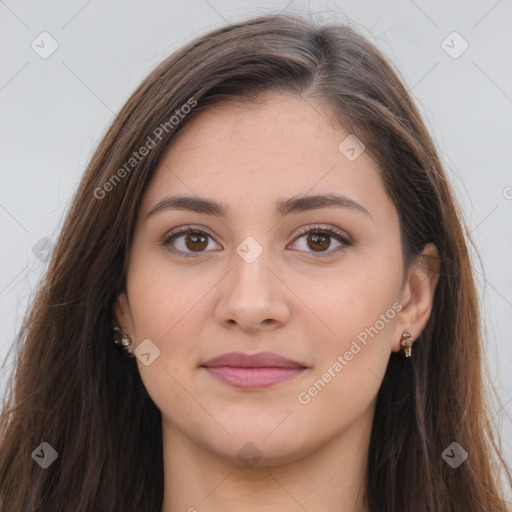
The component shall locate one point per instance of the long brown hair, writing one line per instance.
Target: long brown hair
(72, 389)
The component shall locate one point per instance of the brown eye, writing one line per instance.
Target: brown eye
(196, 241)
(187, 242)
(318, 241)
(322, 241)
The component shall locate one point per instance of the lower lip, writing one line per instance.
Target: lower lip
(253, 378)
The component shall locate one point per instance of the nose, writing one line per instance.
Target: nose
(253, 297)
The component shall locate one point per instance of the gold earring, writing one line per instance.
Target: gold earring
(123, 341)
(406, 342)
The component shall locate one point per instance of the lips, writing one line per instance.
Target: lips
(253, 371)
(259, 360)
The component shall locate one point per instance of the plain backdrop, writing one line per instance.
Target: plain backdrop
(54, 110)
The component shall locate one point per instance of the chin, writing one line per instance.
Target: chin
(252, 447)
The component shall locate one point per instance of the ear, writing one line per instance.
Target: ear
(417, 296)
(122, 315)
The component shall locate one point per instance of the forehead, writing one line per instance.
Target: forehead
(280, 145)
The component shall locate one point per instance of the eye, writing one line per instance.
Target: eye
(194, 240)
(319, 239)
(190, 242)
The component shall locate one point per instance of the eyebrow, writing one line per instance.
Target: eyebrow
(283, 206)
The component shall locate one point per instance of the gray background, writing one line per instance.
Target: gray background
(55, 110)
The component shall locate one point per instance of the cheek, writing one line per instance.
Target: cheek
(165, 310)
(162, 297)
(352, 362)
(358, 309)
(345, 301)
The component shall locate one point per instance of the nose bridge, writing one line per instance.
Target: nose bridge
(252, 295)
(250, 274)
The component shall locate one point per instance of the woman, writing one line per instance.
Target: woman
(261, 299)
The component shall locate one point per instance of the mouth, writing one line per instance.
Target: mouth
(253, 378)
(253, 371)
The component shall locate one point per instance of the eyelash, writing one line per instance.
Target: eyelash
(327, 230)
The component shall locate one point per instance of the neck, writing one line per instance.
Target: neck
(330, 479)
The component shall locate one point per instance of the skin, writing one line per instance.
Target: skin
(289, 300)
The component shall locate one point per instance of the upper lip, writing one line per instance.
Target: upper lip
(259, 360)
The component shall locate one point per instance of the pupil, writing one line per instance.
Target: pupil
(196, 238)
(316, 237)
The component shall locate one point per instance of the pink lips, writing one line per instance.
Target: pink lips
(253, 371)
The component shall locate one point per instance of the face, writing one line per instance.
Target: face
(315, 282)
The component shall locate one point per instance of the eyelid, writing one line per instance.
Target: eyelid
(332, 230)
(185, 229)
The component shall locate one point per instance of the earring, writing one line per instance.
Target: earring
(406, 342)
(122, 341)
